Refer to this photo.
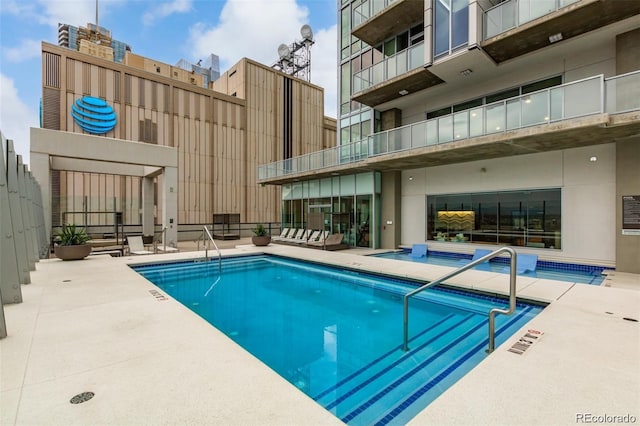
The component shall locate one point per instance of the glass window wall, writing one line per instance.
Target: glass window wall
(518, 218)
(348, 204)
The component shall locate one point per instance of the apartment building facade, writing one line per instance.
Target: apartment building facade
(483, 122)
(218, 138)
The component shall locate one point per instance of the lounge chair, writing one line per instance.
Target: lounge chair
(332, 242)
(298, 237)
(312, 238)
(418, 251)
(525, 263)
(286, 232)
(477, 255)
(136, 246)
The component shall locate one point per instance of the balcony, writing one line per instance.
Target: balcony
(516, 27)
(581, 113)
(374, 21)
(394, 77)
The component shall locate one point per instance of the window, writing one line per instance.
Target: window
(451, 26)
(529, 218)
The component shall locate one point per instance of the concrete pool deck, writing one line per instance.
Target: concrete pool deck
(98, 326)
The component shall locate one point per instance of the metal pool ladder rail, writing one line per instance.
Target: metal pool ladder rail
(492, 312)
(206, 232)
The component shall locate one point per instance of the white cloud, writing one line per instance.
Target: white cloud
(163, 10)
(15, 117)
(255, 29)
(27, 49)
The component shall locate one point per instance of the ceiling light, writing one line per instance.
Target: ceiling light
(466, 73)
(410, 177)
(404, 92)
(555, 37)
(593, 159)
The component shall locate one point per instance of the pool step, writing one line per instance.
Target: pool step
(401, 384)
(376, 386)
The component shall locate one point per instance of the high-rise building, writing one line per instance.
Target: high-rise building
(482, 122)
(92, 39)
(210, 69)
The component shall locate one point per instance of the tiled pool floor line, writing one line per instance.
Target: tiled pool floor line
(98, 326)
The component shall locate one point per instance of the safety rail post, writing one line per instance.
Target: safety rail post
(206, 247)
(512, 294)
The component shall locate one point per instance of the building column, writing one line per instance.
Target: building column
(391, 211)
(170, 206)
(41, 171)
(627, 184)
(10, 291)
(15, 206)
(147, 206)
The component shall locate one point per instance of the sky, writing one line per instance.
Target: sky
(166, 31)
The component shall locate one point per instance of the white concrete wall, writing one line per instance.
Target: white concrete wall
(588, 196)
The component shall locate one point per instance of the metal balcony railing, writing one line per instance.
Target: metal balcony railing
(593, 95)
(513, 13)
(393, 66)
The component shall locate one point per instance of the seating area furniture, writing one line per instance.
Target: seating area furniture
(477, 255)
(226, 226)
(136, 246)
(418, 251)
(332, 242)
(525, 263)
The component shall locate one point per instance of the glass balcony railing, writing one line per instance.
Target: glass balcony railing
(367, 9)
(622, 93)
(513, 13)
(393, 66)
(593, 95)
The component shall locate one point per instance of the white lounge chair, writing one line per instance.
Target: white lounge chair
(136, 246)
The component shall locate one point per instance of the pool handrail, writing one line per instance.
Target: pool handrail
(492, 313)
(205, 230)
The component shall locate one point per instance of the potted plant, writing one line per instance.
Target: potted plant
(441, 236)
(261, 236)
(71, 243)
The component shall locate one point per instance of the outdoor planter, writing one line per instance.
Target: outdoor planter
(261, 241)
(76, 252)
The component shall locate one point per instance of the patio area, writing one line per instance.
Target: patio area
(97, 326)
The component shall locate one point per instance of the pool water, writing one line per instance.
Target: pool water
(583, 274)
(336, 334)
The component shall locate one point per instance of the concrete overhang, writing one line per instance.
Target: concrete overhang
(398, 16)
(570, 21)
(78, 151)
(574, 133)
(412, 81)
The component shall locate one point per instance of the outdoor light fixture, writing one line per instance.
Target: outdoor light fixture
(410, 177)
(404, 92)
(466, 73)
(555, 37)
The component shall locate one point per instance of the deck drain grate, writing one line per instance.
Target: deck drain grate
(81, 397)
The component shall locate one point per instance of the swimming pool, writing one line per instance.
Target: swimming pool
(583, 274)
(336, 334)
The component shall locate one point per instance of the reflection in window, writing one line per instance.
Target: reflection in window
(451, 25)
(516, 218)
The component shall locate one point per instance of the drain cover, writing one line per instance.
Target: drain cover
(81, 397)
